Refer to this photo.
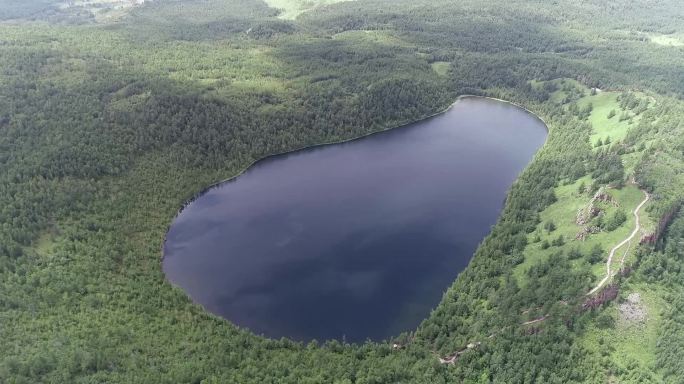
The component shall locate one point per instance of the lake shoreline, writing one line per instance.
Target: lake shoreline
(313, 146)
(502, 137)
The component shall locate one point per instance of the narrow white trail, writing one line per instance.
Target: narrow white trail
(609, 273)
(637, 228)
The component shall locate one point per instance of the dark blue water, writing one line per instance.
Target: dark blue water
(356, 240)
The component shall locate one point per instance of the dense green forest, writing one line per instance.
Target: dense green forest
(108, 124)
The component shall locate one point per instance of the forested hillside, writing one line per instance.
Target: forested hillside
(111, 119)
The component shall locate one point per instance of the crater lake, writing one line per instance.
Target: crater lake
(357, 240)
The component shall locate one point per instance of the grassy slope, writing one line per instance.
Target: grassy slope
(629, 345)
(627, 349)
(602, 103)
(293, 8)
(667, 40)
(441, 67)
(563, 212)
(386, 38)
(613, 128)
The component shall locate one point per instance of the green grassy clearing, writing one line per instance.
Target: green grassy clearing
(103, 11)
(45, 244)
(667, 40)
(631, 196)
(563, 214)
(372, 37)
(630, 161)
(628, 346)
(293, 8)
(603, 127)
(441, 67)
(603, 103)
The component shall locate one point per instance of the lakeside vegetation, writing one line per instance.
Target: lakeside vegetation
(105, 129)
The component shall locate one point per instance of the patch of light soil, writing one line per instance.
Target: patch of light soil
(633, 311)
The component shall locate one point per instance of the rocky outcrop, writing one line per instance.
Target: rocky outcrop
(633, 311)
(584, 215)
(586, 231)
(590, 211)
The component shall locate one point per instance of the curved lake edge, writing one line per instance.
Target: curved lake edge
(220, 183)
(383, 130)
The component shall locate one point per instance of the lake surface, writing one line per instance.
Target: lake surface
(357, 240)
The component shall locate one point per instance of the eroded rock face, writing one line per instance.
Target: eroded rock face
(605, 295)
(632, 311)
(590, 211)
(584, 233)
(648, 239)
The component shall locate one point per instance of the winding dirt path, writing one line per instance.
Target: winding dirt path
(451, 359)
(637, 228)
(535, 321)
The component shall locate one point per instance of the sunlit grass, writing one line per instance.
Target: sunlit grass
(441, 67)
(667, 40)
(293, 8)
(629, 346)
(563, 214)
(603, 127)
